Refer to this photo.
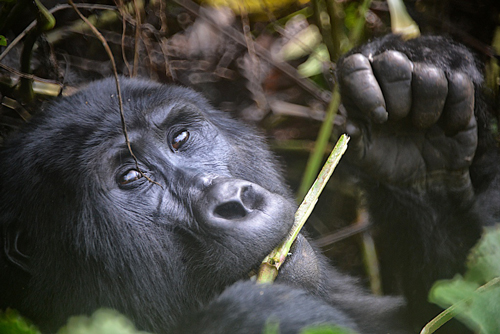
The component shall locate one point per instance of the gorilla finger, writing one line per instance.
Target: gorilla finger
(459, 106)
(429, 89)
(358, 84)
(467, 140)
(356, 139)
(394, 71)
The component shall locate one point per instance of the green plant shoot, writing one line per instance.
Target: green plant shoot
(271, 264)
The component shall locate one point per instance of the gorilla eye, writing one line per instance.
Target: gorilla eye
(180, 139)
(130, 176)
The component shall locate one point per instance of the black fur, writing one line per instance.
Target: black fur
(75, 239)
(426, 236)
(136, 247)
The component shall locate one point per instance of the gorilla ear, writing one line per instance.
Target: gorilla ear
(11, 240)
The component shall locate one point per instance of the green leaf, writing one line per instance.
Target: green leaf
(272, 326)
(484, 259)
(3, 41)
(261, 7)
(474, 298)
(448, 292)
(327, 329)
(477, 308)
(314, 64)
(103, 321)
(301, 44)
(11, 322)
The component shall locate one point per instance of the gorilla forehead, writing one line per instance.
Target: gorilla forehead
(95, 109)
(79, 129)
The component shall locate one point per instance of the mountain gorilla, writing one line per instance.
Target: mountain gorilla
(83, 227)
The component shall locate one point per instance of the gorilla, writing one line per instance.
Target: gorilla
(169, 236)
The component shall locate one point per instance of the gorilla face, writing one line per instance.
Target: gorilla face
(83, 228)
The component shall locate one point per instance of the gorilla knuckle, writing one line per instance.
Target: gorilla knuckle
(392, 67)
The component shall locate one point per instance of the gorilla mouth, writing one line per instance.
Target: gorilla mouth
(302, 266)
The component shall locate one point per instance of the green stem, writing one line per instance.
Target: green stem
(315, 159)
(46, 20)
(26, 84)
(401, 21)
(271, 264)
(357, 30)
(336, 13)
(452, 311)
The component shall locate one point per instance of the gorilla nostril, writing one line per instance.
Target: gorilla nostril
(251, 198)
(231, 210)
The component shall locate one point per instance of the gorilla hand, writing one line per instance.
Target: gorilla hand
(411, 123)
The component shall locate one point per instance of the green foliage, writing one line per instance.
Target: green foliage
(46, 21)
(325, 329)
(492, 67)
(314, 64)
(3, 41)
(11, 322)
(273, 327)
(351, 13)
(261, 7)
(484, 261)
(402, 23)
(475, 297)
(302, 43)
(103, 321)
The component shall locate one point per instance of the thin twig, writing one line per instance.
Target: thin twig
(342, 234)
(29, 76)
(119, 5)
(314, 161)
(238, 37)
(162, 42)
(118, 90)
(137, 37)
(52, 11)
(254, 75)
(453, 310)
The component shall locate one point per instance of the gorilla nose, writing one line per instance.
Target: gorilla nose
(229, 200)
(235, 199)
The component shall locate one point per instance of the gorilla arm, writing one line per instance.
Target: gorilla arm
(413, 140)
